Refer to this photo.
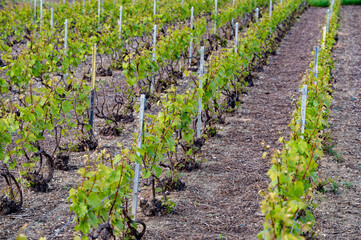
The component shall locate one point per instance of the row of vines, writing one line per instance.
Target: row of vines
(45, 94)
(289, 202)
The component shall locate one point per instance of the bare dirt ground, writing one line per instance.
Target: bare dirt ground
(221, 199)
(339, 214)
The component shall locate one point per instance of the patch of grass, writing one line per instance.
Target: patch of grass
(351, 2)
(319, 3)
(325, 3)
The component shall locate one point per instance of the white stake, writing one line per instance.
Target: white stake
(215, 15)
(41, 12)
(324, 37)
(191, 42)
(51, 19)
(201, 71)
(332, 2)
(66, 35)
(154, 40)
(303, 109)
(270, 8)
(153, 58)
(99, 13)
(155, 7)
(31, 5)
(328, 19)
(137, 166)
(83, 6)
(257, 14)
(232, 18)
(65, 43)
(236, 38)
(192, 11)
(35, 10)
(316, 62)
(120, 20)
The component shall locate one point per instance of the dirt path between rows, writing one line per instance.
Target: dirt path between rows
(222, 199)
(339, 214)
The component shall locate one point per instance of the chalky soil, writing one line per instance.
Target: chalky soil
(222, 199)
(339, 213)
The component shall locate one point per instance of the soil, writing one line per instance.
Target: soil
(221, 199)
(339, 213)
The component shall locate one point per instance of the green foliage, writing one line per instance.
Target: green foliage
(293, 172)
(325, 3)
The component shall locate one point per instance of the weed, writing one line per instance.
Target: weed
(348, 184)
(334, 188)
(339, 158)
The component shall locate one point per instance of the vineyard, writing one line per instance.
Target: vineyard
(178, 119)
